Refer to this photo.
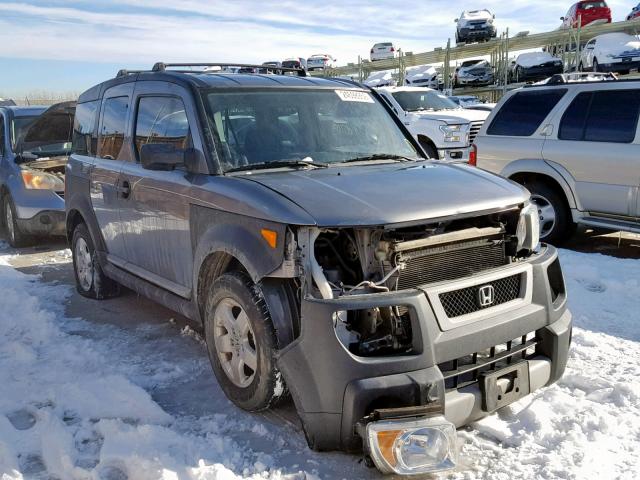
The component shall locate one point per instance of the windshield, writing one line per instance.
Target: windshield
(427, 100)
(19, 127)
(321, 126)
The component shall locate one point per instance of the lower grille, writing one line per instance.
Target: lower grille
(464, 371)
(467, 300)
(450, 262)
(474, 130)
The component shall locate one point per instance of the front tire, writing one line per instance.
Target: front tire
(429, 149)
(556, 224)
(15, 236)
(242, 343)
(91, 282)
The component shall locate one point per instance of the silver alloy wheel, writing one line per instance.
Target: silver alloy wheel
(546, 214)
(235, 342)
(84, 264)
(9, 222)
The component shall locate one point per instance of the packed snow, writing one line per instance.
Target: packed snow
(81, 399)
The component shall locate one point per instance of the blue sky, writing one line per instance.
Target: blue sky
(69, 45)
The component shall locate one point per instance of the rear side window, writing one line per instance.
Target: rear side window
(162, 120)
(523, 113)
(84, 140)
(607, 116)
(114, 121)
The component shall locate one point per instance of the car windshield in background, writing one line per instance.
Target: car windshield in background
(321, 126)
(19, 127)
(428, 100)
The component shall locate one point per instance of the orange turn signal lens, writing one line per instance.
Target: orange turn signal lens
(270, 236)
(386, 442)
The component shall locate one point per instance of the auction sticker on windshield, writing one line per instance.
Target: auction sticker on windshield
(354, 96)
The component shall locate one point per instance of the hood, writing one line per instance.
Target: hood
(380, 79)
(419, 73)
(375, 195)
(535, 59)
(475, 16)
(462, 115)
(53, 126)
(483, 67)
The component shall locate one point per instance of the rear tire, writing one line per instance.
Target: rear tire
(242, 343)
(15, 237)
(91, 282)
(556, 224)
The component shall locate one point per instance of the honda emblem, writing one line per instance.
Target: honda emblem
(486, 296)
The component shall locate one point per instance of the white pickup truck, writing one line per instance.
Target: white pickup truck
(443, 129)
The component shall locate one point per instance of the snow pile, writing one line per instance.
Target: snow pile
(84, 400)
(68, 410)
(587, 426)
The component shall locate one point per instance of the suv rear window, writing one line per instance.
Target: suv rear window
(114, 121)
(589, 117)
(523, 113)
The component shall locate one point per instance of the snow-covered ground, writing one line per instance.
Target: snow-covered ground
(81, 399)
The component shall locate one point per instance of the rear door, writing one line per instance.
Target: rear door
(155, 213)
(596, 141)
(112, 151)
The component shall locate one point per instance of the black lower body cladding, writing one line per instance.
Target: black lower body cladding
(334, 390)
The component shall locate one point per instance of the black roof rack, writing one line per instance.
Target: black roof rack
(161, 67)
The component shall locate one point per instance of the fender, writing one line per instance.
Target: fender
(80, 204)
(215, 231)
(550, 169)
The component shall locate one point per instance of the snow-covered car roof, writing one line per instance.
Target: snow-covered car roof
(421, 71)
(532, 59)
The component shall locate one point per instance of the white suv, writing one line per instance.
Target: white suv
(443, 129)
(383, 51)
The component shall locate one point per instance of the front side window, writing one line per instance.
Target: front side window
(424, 101)
(523, 113)
(589, 117)
(323, 126)
(162, 120)
(114, 121)
(84, 141)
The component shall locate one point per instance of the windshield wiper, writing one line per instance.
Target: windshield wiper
(277, 164)
(380, 156)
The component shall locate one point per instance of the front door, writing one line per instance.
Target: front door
(596, 142)
(112, 151)
(155, 214)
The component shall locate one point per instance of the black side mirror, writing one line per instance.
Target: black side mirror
(562, 19)
(161, 156)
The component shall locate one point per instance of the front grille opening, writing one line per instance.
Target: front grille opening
(556, 282)
(451, 262)
(471, 299)
(464, 371)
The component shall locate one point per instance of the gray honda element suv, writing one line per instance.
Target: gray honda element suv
(392, 297)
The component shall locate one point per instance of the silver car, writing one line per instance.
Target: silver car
(34, 146)
(574, 143)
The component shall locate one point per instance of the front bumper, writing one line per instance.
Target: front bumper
(454, 154)
(45, 223)
(620, 66)
(476, 81)
(334, 390)
(481, 33)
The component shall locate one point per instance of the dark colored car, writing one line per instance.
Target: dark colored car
(587, 13)
(35, 143)
(473, 73)
(535, 66)
(297, 219)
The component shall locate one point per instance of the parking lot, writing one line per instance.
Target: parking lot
(129, 347)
